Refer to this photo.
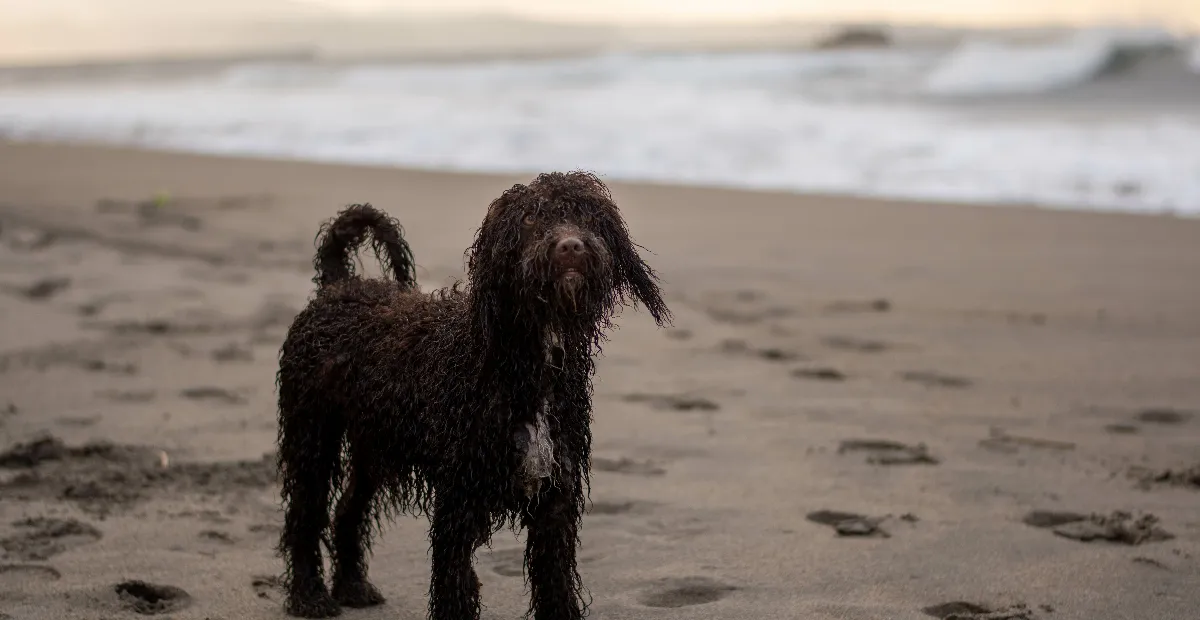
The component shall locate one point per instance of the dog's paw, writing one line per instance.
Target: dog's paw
(312, 601)
(357, 593)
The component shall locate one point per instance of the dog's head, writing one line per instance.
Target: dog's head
(558, 245)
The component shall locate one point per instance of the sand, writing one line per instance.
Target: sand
(866, 410)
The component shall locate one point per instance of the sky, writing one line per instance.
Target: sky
(1171, 13)
(962, 11)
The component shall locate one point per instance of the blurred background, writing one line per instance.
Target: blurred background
(1090, 104)
(1004, 400)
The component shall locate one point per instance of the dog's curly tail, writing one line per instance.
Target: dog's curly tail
(339, 239)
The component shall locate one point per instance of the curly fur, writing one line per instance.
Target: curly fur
(469, 405)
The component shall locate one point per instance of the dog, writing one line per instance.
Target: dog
(470, 405)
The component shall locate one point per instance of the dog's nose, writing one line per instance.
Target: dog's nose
(571, 247)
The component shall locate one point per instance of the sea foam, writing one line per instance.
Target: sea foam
(806, 121)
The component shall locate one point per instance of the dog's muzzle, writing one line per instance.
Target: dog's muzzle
(570, 256)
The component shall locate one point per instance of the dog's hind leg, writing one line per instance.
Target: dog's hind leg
(310, 444)
(351, 540)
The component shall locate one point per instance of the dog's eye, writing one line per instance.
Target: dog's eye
(530, 219)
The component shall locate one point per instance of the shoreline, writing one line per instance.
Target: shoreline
(897, 200)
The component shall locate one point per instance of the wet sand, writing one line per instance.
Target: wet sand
(866, 410)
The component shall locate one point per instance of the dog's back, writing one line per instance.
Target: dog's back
(355, 338)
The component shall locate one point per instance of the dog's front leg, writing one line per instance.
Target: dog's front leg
(552, 525)
(459, 526)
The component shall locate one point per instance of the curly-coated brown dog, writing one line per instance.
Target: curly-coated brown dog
(470, 405)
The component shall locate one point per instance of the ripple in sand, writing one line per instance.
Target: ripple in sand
(40, 538)
(100, 477)
(23, 573)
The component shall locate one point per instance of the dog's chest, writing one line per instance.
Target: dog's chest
(537, 462)
(534, 441)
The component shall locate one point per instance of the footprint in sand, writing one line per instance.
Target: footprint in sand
(511, 562)
(232, 352)
(213, 394)
(1051, 518)
(625, 465)
(857, 345)
(109, 366)
(40, 538)
(857, 307)
(217, 536)
(127, 396)
(1001, 441)
(1165, 416)
(28, 239)
(1118, 526)
(157, 211)
(268, 587)
(963, 610)
(679, 333)
(673, 402)
(820, 373)
(933, 379)
(41, 289)
(266, 529)
(78, 421)
(1186, 477)
(685, 592)
(617, 508)
(508, 562)
(850, 524)
(770, 354)
(670, 528)
(886, 452)
(151, 599)
(20, 576)
(1151, 562)
(746, 316)
(774, 354)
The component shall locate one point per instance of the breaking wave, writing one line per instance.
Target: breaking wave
(990, 68)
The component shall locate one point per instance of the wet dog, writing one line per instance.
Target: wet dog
(470, 405)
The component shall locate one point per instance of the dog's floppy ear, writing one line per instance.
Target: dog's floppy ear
(496, 237)
(634, 278)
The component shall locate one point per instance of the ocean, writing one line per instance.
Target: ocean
(1090, 119)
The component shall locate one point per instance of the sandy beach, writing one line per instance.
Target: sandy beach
(866, 410)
